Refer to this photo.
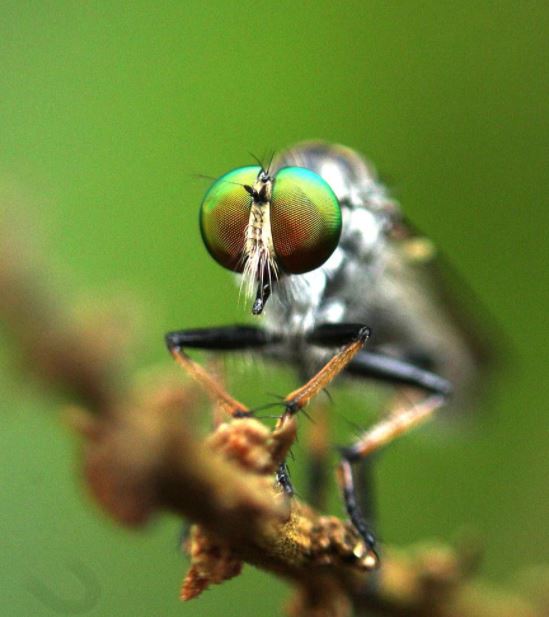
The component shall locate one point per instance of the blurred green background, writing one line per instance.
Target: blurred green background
(106, 112)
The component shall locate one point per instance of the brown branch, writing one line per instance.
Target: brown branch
(143, 455)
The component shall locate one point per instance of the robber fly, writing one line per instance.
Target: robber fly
(322, 252)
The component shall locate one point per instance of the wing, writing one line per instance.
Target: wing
(451, 297)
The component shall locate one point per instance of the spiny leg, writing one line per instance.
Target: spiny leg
(224, 338)
(398, 372)
(300, 398)
(378, 366)
(399, 422)
(355, 465)
(232, 338)
(382, 433)
(347, 484)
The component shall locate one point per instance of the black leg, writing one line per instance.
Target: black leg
(376, 365)
(351, 358)
(356, 463)
(333, 334)
(224, 338)
(399, 422)
(283, 478)
(348, 490)
(399, 372)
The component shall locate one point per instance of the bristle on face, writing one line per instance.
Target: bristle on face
(260, 269)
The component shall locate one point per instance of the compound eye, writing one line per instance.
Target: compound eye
(305, 219)
(224, 216)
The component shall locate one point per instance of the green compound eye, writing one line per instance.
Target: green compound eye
(305, 220)
(224, 216)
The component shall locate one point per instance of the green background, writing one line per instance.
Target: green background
(106, 112)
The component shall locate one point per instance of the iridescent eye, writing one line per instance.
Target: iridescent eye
(305, 220)
(224, 216)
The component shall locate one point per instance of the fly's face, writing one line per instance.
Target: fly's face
(266, 226)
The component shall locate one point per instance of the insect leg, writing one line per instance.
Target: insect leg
(348, 490)
(399, 422)
(355, 461)
(223, 338)
(283, 478)
(299, 398)
(377, 365)
(333, 334)
(399, 372)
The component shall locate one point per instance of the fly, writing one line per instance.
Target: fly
(328, 259)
